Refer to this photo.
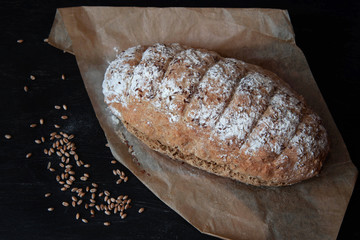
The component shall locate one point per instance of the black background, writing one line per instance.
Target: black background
(327, 32)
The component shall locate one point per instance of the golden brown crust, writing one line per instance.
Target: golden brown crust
(219, 114)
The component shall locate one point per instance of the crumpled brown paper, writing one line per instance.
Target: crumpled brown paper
(313, 209)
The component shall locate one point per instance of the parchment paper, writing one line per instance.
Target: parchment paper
(313, 209)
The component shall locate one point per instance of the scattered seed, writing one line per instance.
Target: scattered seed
(84, 220)
(51, 170)
(106, 223)
(118, 181)
(46, 40)
(65, 108)
(47, 194)
(107, 145)
(37, 141)
(65, 204)
(113, 161)
(56, 126)
(33, 125)
(64, 117)
(41, 121)
(125, 179)
(73, 203)
(26, 89)
(7, 136)
(94, 184)
(50, 209)
(79, 202)
(20, 41)
(77, 216)
(42, 139)
(63, 77)
(28, 155)
(107, 212)
(123, 216)
(63, 189)
(32, 77)
(87, 165)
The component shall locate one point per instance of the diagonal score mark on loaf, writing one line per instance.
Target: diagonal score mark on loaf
(214, 93)
(119, 74)
(304, 153)
(181, 81)
(249, 102)
(149, 73)
(274, 129)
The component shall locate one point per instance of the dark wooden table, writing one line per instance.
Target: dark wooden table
(328, 34)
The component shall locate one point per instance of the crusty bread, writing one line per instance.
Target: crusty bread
(221, 115)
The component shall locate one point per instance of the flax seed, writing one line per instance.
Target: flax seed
(73, 203)
(20, 41)
(77, 216)
(26, 89)
(87, 165)
(86, 175)
(47, 194)
(50, 209)
(79, 202)
(32, 77)
(123, 216)
(63, 189)
(64, 107)
(62, 76)
(28, 155)
(7, 136)
(84, 220)
(41, 121)
(106, 223)
(51, 170)
(76, 157)
(64, 117)
(141, 210)
(65, 204)
(57, 107)
(107, 212)
(56, 126)
(113, 161)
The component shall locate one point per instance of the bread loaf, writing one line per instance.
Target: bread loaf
(218, 114)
